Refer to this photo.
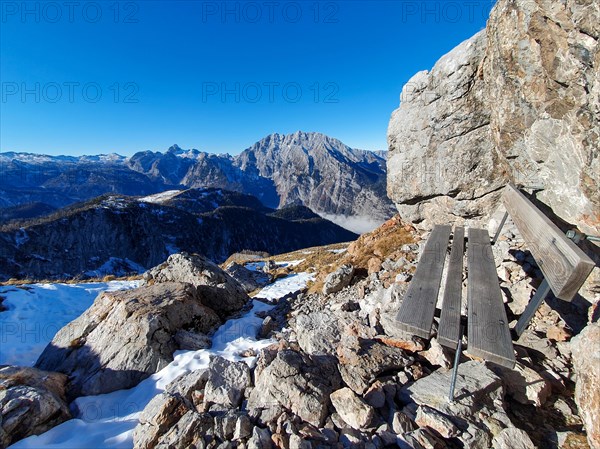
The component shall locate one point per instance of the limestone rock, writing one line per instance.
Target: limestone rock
(296, 382)
(31, 402)
(191, 341)
(250, 280)
(261, 439)
(512, 438)
(436, 421)
(524, 384)
(318, 332)
(171, 412)
(338, 280)
(476, 387)
(227, 382)
(217, 289)
(436, 355)
(144, 319)
(363, 360)
(356, 412)
(585, 349)
(516, 102)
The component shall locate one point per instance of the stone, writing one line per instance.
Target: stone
(422, 438)
(296, 382)
(250, 280)
(585, 353)
(375, 395)
(268, 325)
(243, 427)
(338, 280)
(146, 320)
(512, 438)
(318, 333)
(31, 402)
(296, 442)
(217, 289)
(401, 423)
(352, 439)
(476, 387)
(436, 421)
(191, 341)
(356, 412)
(503, 106)
(374, 265)
(227, 382)
(437, 355)
(362, 360)
(524, 384)
(260, 439)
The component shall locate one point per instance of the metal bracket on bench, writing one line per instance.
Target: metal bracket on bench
(499, 230)
(532, 307)
(456, 362)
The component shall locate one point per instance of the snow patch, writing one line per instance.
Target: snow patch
(159, 198)
(36, 312)
(108, 420)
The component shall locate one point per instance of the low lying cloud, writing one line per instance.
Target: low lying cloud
(357, 224)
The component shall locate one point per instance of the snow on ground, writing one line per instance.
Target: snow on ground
(108, 420)
(36, 312)
(338, 251)
(160, 197)
(282, 287)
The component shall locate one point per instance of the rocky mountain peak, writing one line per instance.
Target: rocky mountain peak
(518, 102)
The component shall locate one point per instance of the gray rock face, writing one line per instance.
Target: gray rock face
(585, 352)
(512, 439)
(517, 102)
(227, 382)
(170, 418)
(31, 402)
(356, 412)
(218, 290)
(250, 280)
(295, 382)
(338, 280)
(145, 321)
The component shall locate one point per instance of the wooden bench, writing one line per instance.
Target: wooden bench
(564, 265)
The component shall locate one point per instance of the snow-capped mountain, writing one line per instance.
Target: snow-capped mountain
(338, 182)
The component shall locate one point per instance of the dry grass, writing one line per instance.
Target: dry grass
(382, 243)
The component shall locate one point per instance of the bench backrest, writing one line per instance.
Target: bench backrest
(564, 265)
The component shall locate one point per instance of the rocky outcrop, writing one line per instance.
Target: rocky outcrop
(144, 319)
(585, 351)
(296, 382)
(250, 280)
(217, 289)
(31, 402)
(517, 102)
(338, 280)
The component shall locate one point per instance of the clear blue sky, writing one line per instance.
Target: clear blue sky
(213, 75)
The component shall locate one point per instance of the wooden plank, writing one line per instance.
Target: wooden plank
(418, 306)
(564, 264)
(449, 329)
(488, 333)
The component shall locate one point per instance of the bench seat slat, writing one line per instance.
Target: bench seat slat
(564, 264)
(488, 332)
(449, 329)
(418, 306)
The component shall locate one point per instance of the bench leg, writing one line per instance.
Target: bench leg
(532, 307)
(456, 362)
(499, 230)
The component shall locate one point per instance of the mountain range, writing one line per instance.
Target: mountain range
(345, 185)
(120, 235)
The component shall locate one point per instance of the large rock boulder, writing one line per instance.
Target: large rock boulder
(250, 280)
(296, 382)
(517, 102)
(218, 290)
(31, 402)
(585, 353)
(126, 336)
